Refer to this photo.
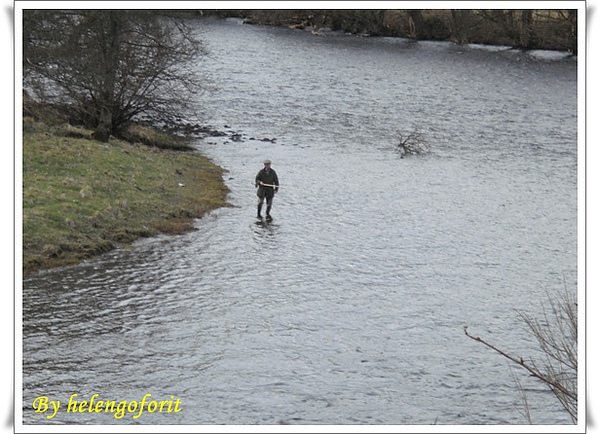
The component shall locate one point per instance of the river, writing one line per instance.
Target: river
(349, 307)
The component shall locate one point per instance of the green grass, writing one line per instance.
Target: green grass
(82, 197)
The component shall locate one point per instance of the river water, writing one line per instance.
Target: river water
(349, 307)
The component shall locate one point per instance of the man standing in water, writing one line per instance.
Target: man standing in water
(268, 184)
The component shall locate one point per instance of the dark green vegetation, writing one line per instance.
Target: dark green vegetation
(519, 28)
(82, 197)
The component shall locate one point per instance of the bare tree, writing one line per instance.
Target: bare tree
(505, 19)
(417, 23)
(111, 65)
(526, 34)
(556, 334)
(460, 25)
(570, 18)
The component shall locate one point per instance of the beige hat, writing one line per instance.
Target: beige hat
(267, 162)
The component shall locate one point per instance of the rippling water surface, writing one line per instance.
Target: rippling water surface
(349, 308)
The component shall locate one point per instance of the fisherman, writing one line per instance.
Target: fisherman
(268, 184)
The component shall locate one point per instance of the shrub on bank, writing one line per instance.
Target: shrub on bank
(137, 133)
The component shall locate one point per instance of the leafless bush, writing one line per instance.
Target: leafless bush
(412, 144)
(556, 334)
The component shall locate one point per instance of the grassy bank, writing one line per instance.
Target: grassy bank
(82, 197)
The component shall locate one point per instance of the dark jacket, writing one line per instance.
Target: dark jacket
(268, 178)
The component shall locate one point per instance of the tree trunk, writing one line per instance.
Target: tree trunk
(416, 23)
(104, 129)
(459, 25)
(106, 97)
(573, 34)
(526, 37)
(506, 20)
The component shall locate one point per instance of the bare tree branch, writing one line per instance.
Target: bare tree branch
(412, 144)
(557, 338)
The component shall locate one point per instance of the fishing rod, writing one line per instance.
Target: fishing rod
(267, 185)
